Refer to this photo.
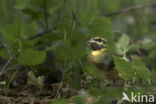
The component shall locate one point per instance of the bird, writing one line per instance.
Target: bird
(102, 61)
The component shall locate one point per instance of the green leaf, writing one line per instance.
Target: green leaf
(59, 101)
(28, 30)
(101, 26)
(11, 31)
(141, 71)
(105, 93)
(21, 4)
(124, 68)
(94, 91)
(134, 70)
(53, 9)
(31, 57)
(134, 47)
(123, 44)
(71, 47)
(92, 70)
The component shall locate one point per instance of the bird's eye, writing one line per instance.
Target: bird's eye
(99, 40)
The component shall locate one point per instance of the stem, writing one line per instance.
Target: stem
(12, 77)
(129, 9)
(9, 60)
(61, 79)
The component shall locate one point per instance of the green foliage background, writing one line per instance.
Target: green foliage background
(41, 33)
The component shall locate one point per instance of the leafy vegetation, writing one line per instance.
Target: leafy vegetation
(45, 41)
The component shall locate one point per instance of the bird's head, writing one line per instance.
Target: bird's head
(98, 43)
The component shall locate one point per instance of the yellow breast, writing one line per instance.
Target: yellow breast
(98, 52)
(97, 56)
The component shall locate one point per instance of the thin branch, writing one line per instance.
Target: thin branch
(46, 14)
(60, 86)
(130, 9)
(9, 60)
(38, 35)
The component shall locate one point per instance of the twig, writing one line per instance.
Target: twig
(130, 9)
(9, 60)
(38, 35)
(60, 86)
(46, 14)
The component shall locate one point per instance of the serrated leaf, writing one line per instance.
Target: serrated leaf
(31, 57)
(124, 68)
(123, 44)
(134, 70)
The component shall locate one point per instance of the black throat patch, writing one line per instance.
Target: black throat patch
(96, 46)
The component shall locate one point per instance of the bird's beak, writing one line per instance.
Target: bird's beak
(91, 41)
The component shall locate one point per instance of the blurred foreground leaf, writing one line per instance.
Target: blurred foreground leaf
(31, 57)
(59, 101)
(134, 70)
(21, 4)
